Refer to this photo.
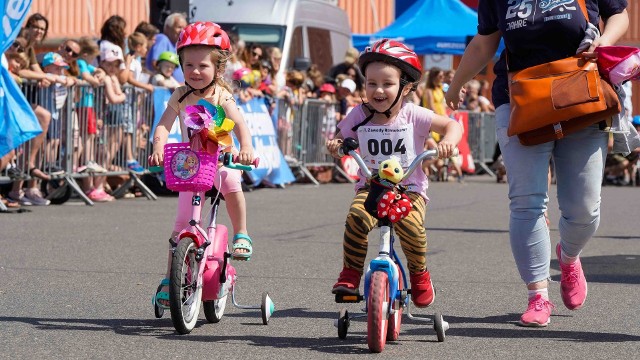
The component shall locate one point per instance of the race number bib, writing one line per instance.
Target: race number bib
(378, 143)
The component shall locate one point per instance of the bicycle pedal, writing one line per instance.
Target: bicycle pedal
(348, 298)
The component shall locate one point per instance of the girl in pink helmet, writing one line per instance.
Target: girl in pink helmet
(392, 71)
(203, 49)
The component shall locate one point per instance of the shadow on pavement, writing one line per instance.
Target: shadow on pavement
(615, 269)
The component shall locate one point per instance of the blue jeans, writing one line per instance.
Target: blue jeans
(579, 164)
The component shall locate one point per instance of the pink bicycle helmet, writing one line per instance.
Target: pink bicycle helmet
(394, 53)
(203, 33)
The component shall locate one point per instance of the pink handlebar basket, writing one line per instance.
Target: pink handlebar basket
(188, 170)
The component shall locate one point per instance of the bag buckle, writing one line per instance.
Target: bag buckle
(557, 128)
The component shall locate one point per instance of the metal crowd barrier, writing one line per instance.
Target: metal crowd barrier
(80, 136)
(303, 133)
(482, 139)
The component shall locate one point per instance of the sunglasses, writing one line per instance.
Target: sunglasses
(256, 54)
(18, 47)
(38, 28)
(71, 52)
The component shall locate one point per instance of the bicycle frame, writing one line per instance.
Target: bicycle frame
(216, 276)
(387, 259)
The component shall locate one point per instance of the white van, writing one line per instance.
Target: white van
(315, 29)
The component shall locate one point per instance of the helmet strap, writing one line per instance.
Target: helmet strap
(192, 89)
(387, 113)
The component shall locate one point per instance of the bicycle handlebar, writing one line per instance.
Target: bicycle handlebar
(227, 159)
(349, 146)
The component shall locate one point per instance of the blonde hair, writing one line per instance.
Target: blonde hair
(21, 58)
(136, 39)
(219, 58)
(88, 46)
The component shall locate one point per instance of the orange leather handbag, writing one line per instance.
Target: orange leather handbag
(552, 100)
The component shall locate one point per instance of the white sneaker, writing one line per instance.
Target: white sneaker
(94, 167)
(35, 197)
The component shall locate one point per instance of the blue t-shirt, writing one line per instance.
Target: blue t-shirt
(86, 93)
(537, 31)
(161, 45)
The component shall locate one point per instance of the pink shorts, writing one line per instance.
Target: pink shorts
(231, 183)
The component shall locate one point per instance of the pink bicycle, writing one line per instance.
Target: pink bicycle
(200, 271)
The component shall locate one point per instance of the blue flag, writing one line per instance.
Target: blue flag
(18, 122)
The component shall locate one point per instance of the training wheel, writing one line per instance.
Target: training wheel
(267, 308)
(440, 326)
(343, 323)
(157, 309)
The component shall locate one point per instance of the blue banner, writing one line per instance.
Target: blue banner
(18, 122)
(272, 167)
(161, 98)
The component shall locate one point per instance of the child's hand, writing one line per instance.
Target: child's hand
(156, 159)
(246, 155)
(445, 149)
(333, 146)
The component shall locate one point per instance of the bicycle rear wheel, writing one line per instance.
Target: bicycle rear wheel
(185, 294)
(395, 320)
(377, 311)
(213, 310)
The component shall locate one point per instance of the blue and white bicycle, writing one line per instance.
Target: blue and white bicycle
(386, 291)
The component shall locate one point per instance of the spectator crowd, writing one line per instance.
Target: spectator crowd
(119, 69)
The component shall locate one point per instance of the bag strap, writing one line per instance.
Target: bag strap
(583, 8)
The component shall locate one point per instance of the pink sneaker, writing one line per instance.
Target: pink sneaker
(573, 284)
(538, 313)
(99, 196)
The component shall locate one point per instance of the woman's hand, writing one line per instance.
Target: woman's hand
(455, 97)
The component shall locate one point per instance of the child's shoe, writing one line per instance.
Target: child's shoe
(135, 167)
(538, 312)
(35, 197)
(348, 282)
(422, 293)
(573, 284)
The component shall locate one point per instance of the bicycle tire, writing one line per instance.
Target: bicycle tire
(185, 294)
(377, 313)
(395, 320)
(214, 310)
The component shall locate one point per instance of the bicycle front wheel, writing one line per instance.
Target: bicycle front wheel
(185, 294)
(377, 311)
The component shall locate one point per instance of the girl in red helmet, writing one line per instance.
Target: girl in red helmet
(392, 71)
(203, 48)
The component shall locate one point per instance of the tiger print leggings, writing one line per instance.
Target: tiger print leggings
(410, 230)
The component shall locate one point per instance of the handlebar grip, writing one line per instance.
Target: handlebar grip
(456, 152)
(156, 169)
(255, 162)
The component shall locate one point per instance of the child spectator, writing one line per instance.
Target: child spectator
(345, 96)
(85, 106)
(111, 59)
(53, 99)
(166, 64)
(137, 50)
(328, 95)
(17, 62)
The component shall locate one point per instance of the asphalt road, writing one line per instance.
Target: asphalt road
(77, 281)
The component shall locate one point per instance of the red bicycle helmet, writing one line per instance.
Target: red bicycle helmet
(394, 53)
(203, 33)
